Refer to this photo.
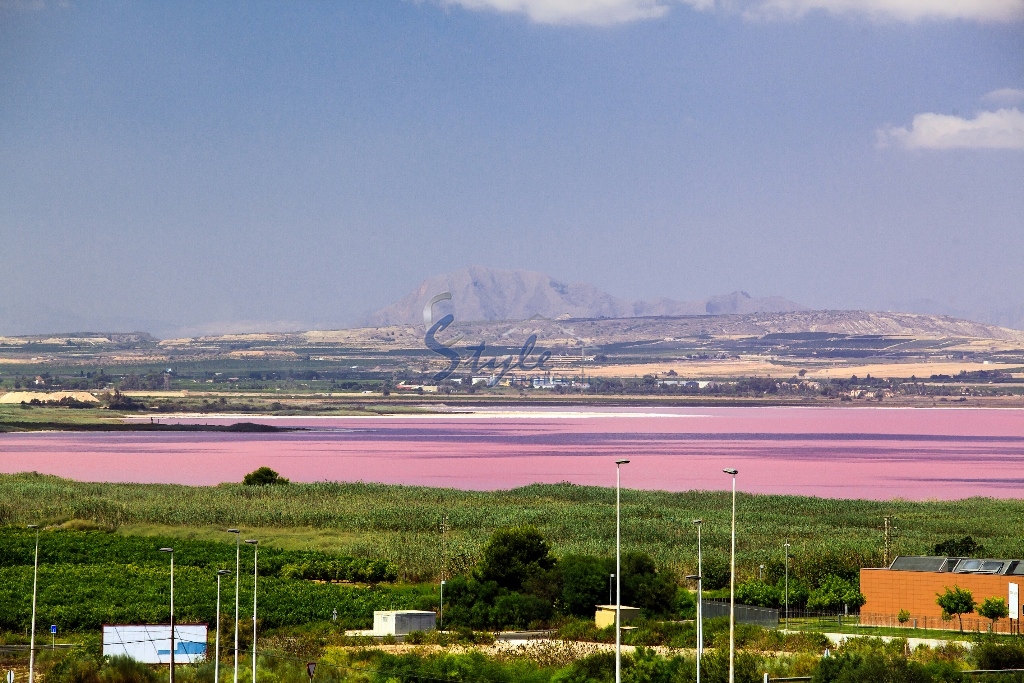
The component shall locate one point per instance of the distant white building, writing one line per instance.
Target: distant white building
(401, 622)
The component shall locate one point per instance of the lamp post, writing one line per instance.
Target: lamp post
(611, 583)
(700, 598)
(238, 536)
(35, 584)
(732, 584)
(216, 649)
(618, 571)
(440, 619)
(255, 571)
(171, 551)
(786, 546)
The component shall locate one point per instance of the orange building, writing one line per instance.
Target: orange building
(913, 584)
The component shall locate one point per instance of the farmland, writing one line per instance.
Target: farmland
(403, 525)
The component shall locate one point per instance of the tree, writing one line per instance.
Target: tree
(514, 555)
(834, 592)
(956, 601)
(994, 609)
(645, 587)
(584, 583)
(263, 476)
(962, 547)
(903, 616)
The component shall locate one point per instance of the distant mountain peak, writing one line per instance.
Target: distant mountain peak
(489, 294)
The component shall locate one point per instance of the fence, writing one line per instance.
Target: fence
(745, 614)
(971, 622)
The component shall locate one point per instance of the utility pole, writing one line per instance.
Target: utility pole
(889, 529)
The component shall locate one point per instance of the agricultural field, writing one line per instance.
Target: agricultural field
(426, 532)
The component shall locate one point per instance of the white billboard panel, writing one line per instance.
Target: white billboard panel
(1014, 602)
(151, 643)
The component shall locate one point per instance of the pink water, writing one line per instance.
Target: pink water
(874, 453)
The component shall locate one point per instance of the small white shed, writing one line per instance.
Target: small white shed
(401, 622)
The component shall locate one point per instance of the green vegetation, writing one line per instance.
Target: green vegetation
(519, 584)
(263, 476)
(283, 661)
(403, 524)
(88, 578)
(956, 602)
(994, 609)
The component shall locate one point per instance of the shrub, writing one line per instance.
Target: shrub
(511, 556)
(833, 593)
(991, 654)
(584, 583)
(123, 669)
(263, 476)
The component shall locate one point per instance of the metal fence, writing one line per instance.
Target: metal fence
(745, 614)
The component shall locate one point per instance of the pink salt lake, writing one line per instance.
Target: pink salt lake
(877, 453)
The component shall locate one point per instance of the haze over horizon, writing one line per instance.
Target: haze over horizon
(235, 166)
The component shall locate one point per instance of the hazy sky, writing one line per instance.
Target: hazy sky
(220, 165)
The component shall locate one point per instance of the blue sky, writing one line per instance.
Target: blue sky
(226, 166)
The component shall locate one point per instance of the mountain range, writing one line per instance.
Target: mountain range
(487, 294)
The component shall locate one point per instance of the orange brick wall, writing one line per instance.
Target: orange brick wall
(887, 592)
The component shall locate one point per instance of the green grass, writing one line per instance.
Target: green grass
(403, 523)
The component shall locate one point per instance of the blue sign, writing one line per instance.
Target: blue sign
(53, 629)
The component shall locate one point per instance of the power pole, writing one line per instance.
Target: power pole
(890, 529)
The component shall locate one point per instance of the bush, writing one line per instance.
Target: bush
(514, 555)
(584, 583)
(873, 667)
(758, 593)
(123, 669)
(520, 610)
(644, 587)
(833, 593)
(991, 654)
(263, 476)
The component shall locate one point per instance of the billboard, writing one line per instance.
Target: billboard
(151, 643)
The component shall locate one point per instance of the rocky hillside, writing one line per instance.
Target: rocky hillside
(485, 294)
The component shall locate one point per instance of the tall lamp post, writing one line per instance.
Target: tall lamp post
(171, 551)
(618, 571)
(216, 648)
(732, 584)
(440, 619)
(35, 584)
(700, 598)
(238, 536)
(786, 546)
(255, 571)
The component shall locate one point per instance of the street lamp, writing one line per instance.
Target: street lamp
(732, 584)
(35, 584)
(440, 619)
(171, 551)
(255, 571)
(786, 546)
(700, 598)
(760, 572)
(618, 572)
(611, 584)
(238, 535)
(216, 653)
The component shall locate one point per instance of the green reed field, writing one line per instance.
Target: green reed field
(428, 531)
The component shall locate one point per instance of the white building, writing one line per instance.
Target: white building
(401, 622)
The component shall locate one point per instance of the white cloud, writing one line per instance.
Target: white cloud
(1005, 96)
(889, 10)
(592, 12)
(1002, 129)
(609, 12)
